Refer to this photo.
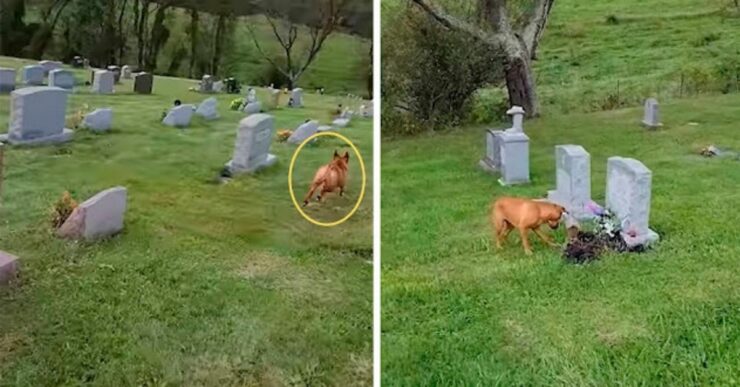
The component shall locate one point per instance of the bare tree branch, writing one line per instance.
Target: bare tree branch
(533, 31)
(455, 24)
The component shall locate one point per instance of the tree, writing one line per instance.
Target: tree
(519, 42)
(295, 60)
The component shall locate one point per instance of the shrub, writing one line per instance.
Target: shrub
(612, 20)
(62, 209)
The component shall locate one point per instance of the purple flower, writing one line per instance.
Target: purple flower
(595, 208)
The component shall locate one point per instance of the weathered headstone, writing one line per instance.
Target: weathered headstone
(62, 78)
(492, 161)
(116, 73)
(37, 116)
(7, 80)
(100, 120)
(33, 75)
(218, 86)
(103, 82)
(143, 83)
(325, 128)
(274, 98)
(251, 95)
(514, 158)
(573, 177)
(252, 108)
(206, 84)
(126, 72)
(8, 268)
(99, 217)
(208, 109)
(179, 116)
(252, 148)
(296, 98)
(303, 132)
(341, 123)
(628, 186)
(652, 114)
(50, 65)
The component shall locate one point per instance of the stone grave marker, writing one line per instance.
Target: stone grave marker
(306, 130)
(7, 80)
(100, 120)
(252, 95)
(126, 72)
(651, 119)
(143, 83)
(206, 84)
(275, 98)
(179, 116)
(325, 128)
(101, 216)
(253, 108)
(573, 179)
(8, 268)
(33, 75)
(208, 109)
(116, 73)
(37, 116)
(103, 82)
(628, 190)
(62, 78)
(296, 98)
(252, 148)
(218, 86)
(50, 65)
(341, 122)
(492, 161)
(514, 158)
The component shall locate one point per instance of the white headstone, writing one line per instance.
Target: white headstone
(50, 65)
(325, 128)
(341, 123)
(100, 216)
(296, 98)
(252, 108)
(62, 78)
(514, 150)
(303, 132)
(652, 114)
(206, 84)
(628, 186)
(491, 162)
(218, 86)
(7, 80)
(37, 116)
(252, 147)
(179, 116)
(103, 82)
(100, 120)
(517, 114)
(126, 72)
(275, 98)
(33, 75)
(573, 176)
(251, 95)
(208, 109)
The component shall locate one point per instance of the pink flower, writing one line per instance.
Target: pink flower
(594, 208)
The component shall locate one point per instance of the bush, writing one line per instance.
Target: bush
(430, 75)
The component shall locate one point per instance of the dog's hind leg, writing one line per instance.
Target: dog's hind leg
(311, 191)
(525, 240)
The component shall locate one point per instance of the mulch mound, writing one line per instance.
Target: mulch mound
(588, 246)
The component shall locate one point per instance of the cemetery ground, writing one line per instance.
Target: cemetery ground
(209, 284)
(456, 311)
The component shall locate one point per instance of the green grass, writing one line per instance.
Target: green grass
(208, 284)
(456, 311)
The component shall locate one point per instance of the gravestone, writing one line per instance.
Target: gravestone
(274, 98)
(37, 116)
(126, 72)
(251, 95)
(514, 150)
(218, 87)
(33, 75)
(252, 148)
(116, 73)
(252, 108)
(8, 268)
(517, 114)
(49, 66)
(303, 132)
(62, 78)
(573, 179)
(179, 116)
(7, 80)
(208, 109)
(296, 99)
(341, 123)
(628, 187)
(206, 84)
(651, 120)
(143, 83)
(101, 216)
(103, 82)
(492, 161)
(325, 128)
(100, 120)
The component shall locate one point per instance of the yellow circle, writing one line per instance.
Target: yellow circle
(290, 179)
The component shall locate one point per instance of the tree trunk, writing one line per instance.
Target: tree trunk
(520, 81)
(194, 24)
(218, 44)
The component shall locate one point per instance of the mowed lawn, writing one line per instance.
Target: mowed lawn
(455, 311)
(209, 284)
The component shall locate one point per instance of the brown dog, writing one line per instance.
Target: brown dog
(509, 213)
(330, 177)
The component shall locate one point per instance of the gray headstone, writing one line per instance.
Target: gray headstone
(341, 123)
(573, 176)
(491, 162)
(252, 95)
(253, 108)
(514, 158)
(126, 72)
(628, 187)
(62, 78)
(103, 82)
(651, 118)
(179, 116)
(218, 86)
(37, 116)
(325, 128)
(116, 73)
(297, 98)
(33, 75)
(100, 120)
(206, 84)
(8, 268)
(143, 83)
(252, 148)
(275, 98)
(208, 109)
(7, 80)
(100, 216)
(303, 132)
(50, 65)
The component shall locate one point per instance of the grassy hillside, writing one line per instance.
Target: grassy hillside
(209, 284)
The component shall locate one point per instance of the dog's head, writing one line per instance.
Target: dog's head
(555, 215)
(341, 161)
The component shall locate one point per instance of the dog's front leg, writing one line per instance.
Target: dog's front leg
(545, 238)
(525, 240)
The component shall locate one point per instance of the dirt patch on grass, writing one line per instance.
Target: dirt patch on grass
(11, 343)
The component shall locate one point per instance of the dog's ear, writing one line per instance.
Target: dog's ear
(346, 156)
(336, 154)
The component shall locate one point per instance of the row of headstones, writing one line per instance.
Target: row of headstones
(102, 80)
